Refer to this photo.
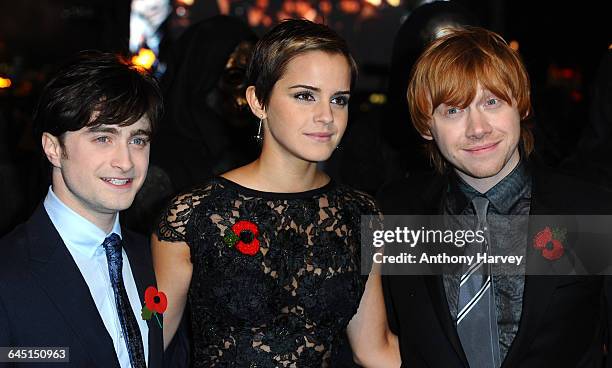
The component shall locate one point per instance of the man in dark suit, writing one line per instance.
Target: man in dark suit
(71, 276)
(469, 97)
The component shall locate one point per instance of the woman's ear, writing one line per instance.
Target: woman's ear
(256, 107)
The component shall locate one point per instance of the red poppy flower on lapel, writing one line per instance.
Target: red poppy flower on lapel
(550, 242)
(554, 250)
(156, 303)
(156, 300)
(243, 236)
(542, 238)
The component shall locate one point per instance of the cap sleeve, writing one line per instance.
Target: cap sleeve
(174, 220)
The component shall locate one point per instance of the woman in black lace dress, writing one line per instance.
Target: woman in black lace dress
(268, 255)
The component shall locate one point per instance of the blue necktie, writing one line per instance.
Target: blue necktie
(476, 315)
(129, 324)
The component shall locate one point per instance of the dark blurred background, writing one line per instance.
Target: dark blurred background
(562, 43)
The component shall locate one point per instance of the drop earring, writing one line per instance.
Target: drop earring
(259, 136)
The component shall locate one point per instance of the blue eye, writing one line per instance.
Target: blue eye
(492, 101)
(340, 100)
(103, 139)
(140, 141)
(452, 111)
(304, 96)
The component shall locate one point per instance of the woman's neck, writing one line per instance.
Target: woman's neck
(279, 173)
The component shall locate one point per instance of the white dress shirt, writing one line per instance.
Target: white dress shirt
(84, 242)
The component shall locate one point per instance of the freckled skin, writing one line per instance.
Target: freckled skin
(480, 141)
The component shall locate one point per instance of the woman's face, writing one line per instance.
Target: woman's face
(308, 108)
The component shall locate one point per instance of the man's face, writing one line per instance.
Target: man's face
(100, 170)
(480, 141)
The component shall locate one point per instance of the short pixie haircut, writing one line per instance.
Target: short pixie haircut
(448, 72)
(284, 42)
(94, 89)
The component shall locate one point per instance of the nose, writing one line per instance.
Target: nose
(324, 113)
(477, 124)
(122, 158)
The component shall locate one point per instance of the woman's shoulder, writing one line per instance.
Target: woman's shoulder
(197, 195)
(175, 218)
(361, 201)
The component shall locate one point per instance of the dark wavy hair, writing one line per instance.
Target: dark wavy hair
(93, 89)
(284, 42)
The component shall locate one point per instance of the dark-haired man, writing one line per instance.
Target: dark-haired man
(71, 277)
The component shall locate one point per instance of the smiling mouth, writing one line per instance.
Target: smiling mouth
(118, 182)
(482, 149)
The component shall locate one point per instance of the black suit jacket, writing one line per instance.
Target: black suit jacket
(565, 319)
(44, 300)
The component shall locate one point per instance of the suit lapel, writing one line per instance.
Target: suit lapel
(538, 289)
(58, 275)
(435, 285)
(433, 204)
(142, 271)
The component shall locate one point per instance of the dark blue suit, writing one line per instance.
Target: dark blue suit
(44, 300)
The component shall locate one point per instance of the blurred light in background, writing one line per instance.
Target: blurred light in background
(394, 3)
(325, 7)
(378, 98)
(576, 96)
(5, 82)
(350, 6)
(144, 59)
(558, 73)
(514, 45)
(374, 2)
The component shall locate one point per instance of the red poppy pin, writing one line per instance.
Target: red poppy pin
(156, 303)
(550, 242)
(243, 236)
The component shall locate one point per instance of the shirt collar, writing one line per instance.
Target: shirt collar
(76, 231)
(503, 196)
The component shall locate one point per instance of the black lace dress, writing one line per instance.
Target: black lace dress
(276, 276)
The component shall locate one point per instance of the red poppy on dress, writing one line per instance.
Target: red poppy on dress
(156, 300)
(243, 236)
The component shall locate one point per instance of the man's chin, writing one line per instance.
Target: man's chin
(482, 172)
(118, 205)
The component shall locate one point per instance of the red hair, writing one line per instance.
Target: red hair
(449, 70)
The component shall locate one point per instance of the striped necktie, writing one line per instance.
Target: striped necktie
(476, 313)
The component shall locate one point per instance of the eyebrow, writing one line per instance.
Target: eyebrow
(146, 132)
(102, 129)
(316, 89)
(111, 130)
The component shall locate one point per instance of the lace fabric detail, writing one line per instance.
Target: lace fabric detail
(290, 303)
(173, 223)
